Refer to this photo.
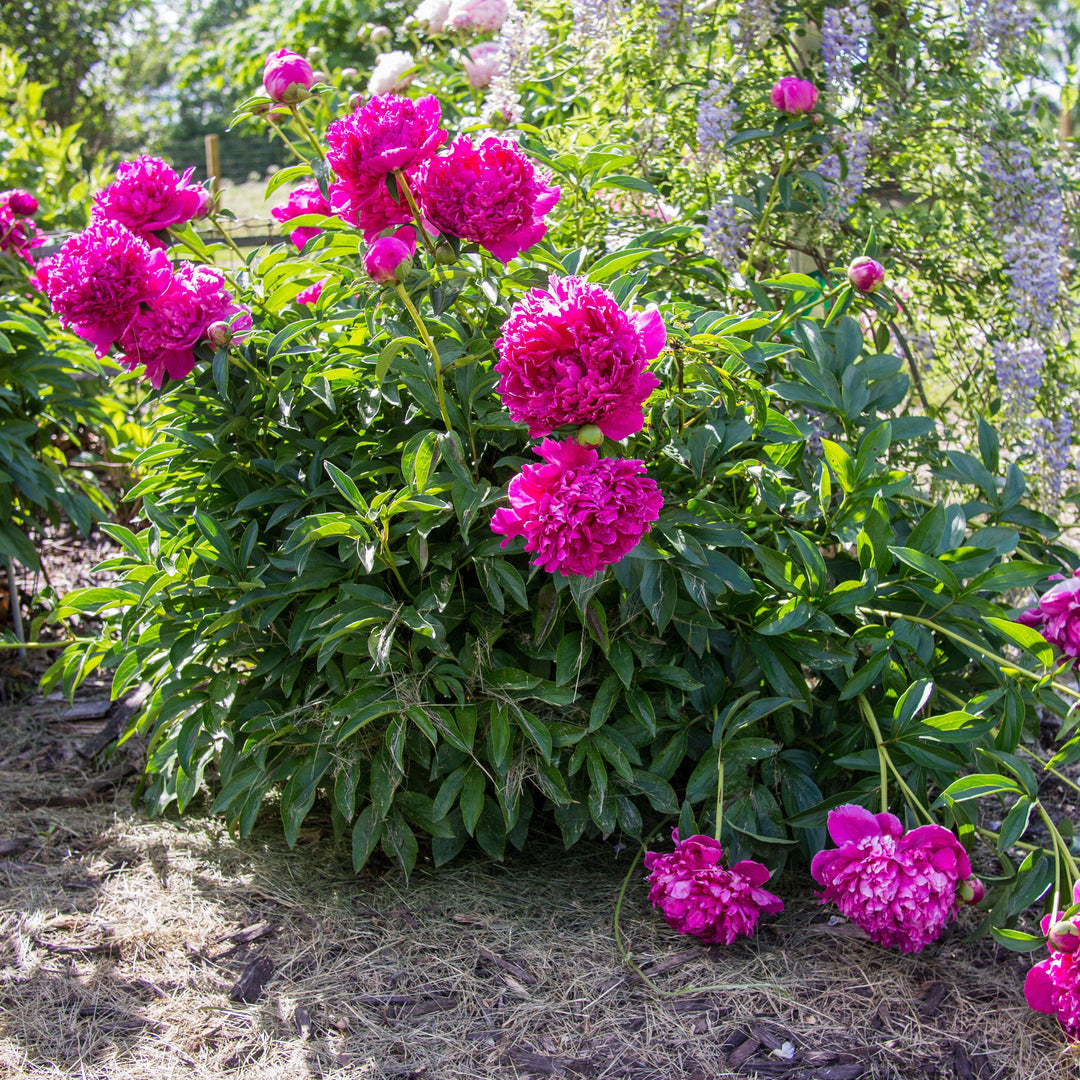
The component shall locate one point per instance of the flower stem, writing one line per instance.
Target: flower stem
(770, 204)
(440, 390)
(403, 186)
(1059, 842)
(719, 794)
(888, 765)
(308, 134)
(287, 141)
(227, 238)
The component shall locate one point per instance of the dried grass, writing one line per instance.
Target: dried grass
(117, 960)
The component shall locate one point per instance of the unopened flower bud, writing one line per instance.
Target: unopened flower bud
(219, 334)
(350, 74)
(21, 203)
(794, 96)
(379, 34)
(389, 259)
(590, 435)
(356, 101)
(287, 76)
(1064, 936)
(321, 76)
(866, 274)
(314, 55)
(971, 890)
(363, 33)
(445, 255)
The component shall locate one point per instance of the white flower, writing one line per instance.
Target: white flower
(393, 72)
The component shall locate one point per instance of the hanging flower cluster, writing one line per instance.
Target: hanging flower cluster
(113, 283)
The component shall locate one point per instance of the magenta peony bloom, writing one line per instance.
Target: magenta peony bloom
(388, 134)
(482, 16)
(148, 196)
(163, 335)
(389, 259)
(18, 235)
(307, 199)
(1053, 985)
(287, 77)
(577, 512)
(311, 294)
(20, 202)
(570, 355)
(100, 278)
(793, 95)
(698, 896)
(489, 194)
(482, 63)
(1057, 615)
(866, 274)
(900, 888)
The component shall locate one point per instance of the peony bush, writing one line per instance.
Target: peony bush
(496, 489)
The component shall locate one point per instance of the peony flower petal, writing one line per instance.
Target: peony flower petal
(851, 823)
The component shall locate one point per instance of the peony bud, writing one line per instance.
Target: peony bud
(350, 74)
(866, 274)
(590, 435)
(321, 76)
(219, 334)
(389, 259)
(445, 255)
(21, 203)
(1064, 936)
(314, 55)
(379, 34)
(287, 77)
(971, 890)
(794, 96)
(356, 101)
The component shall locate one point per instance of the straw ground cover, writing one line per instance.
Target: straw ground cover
(126, 945)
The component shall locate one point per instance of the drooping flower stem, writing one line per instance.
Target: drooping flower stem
(403, 187)
(888, 765)
(440, 390)
(1058, 841)
(306, 131)
(719, 794)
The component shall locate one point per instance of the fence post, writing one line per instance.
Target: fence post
(213, 162)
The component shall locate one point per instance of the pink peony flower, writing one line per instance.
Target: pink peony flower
(1053, 985)
(1057, 615)
(570, 355)
(577, 512)
(148, 196)
(431, 14)
(20, 202)
(163, 335)
(793, 95)
(866, 274)
(900, 888)
(18, 235)
(370, 205)
(489, 194)
(393, 72)
(287, 77)
(389, 259)
(482, 16)
(311, 294)
(698, 896)
(388, 134)
(307, 199)
(481, 63)
(100, 278)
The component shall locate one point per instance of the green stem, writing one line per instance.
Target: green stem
(45, 644)
(770, 205)
(440, 390)
(227, 238)
(403, 186)
(1050, 769)
(719, 794)
(1059, 842)
(887, 763)
(287, 141)
(960, 639)
(307, 132)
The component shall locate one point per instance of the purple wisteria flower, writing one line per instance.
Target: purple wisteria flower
(716, 117)
(846, 187)
(845, 31)
(519, 35)
(725, 234)
(997, 26)
(757, 22)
